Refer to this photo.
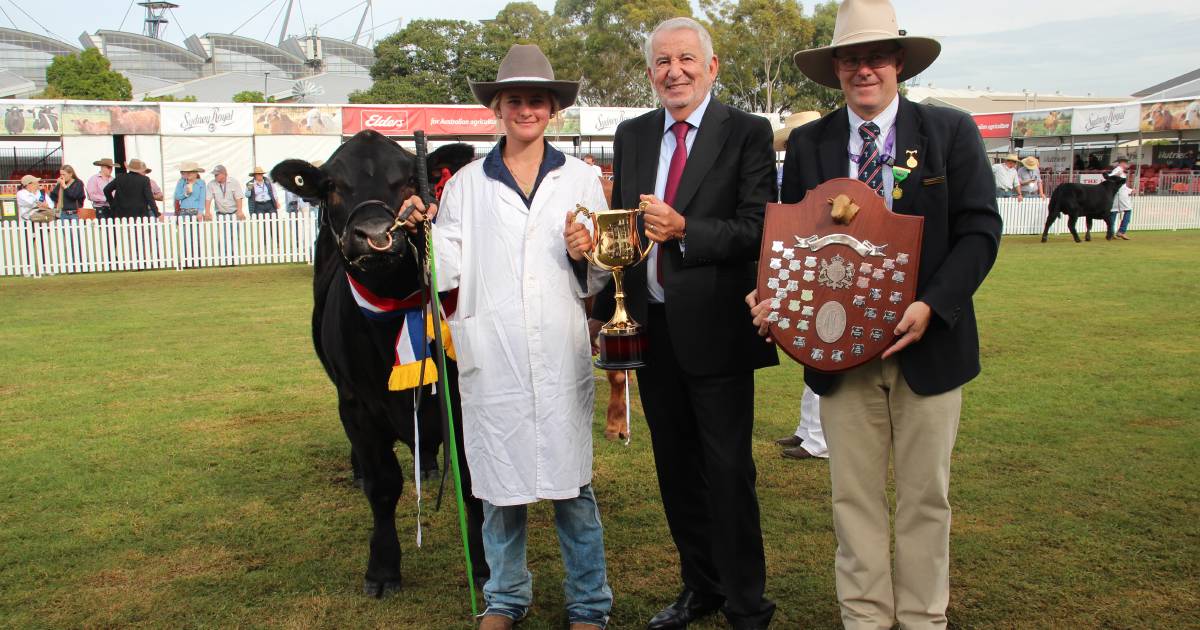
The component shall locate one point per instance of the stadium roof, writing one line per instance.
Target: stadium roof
(333, 88)
(1185, 85)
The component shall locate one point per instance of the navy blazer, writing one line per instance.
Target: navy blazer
(952, 187)
(723, 192)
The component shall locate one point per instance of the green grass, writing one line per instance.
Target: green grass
(170, 456)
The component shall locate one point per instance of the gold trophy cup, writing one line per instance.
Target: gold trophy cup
(616, 246)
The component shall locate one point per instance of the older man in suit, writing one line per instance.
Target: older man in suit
(926, 161)
(707, 171)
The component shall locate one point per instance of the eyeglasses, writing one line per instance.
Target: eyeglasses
(873, 60)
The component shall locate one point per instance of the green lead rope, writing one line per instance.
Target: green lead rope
(445, 384)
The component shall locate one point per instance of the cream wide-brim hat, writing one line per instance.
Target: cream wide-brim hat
(190, 167)
(1030, 162)
(799, 119)
(863, 22)
(1011, 157)
(526, 65)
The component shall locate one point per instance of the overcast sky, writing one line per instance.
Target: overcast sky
(1101, 47)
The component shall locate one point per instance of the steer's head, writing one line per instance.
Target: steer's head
(360, 188)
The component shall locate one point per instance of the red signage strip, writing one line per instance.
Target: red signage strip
(994, 125)
(435, 121)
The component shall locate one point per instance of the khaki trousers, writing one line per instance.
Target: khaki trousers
(870, 415)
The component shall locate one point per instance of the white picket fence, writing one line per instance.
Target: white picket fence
(62, 247)
(1150, 212)
(131, 244)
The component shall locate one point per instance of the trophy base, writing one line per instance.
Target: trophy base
(621, 352)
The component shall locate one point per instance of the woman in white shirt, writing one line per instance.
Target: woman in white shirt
(521, 337)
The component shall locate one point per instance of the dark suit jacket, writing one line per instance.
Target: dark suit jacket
(729, 178)
(952, 187)
(129, 195)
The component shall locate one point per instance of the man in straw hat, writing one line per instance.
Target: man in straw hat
(926, 161)
(707, 171)
(129, 195)
(190, 191)
(1005, 174)
(95, 187)
(260, 193)
(1030, 178)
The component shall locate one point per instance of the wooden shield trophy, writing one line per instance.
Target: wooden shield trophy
(839, 269)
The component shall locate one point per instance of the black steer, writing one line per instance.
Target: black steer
(1090, 201)
(358, 352)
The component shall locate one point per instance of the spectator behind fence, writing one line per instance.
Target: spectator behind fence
(223, 199)
(591, 161)
(1005, 172)
(261, 193)
(68, 194)
(1030, 178)
(95, 187)
(129, 194)
(32, 204)
(190, 191)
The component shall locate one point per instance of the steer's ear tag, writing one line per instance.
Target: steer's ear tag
(299, 181)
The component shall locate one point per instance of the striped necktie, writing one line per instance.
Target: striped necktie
(870, 163)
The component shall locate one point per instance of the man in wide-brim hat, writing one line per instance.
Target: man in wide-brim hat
(130, 195)
(924, 161)
(95, 187)
(190, 191)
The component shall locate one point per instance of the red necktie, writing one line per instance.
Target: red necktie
(678, 160)
(674, 174)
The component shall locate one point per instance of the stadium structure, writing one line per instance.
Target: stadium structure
(210, 67)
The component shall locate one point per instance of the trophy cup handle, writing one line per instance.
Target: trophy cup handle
(650, 246)
(590, 256)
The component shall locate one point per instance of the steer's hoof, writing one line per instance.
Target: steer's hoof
(380, 588)
(1043, 239)
(1088, 238)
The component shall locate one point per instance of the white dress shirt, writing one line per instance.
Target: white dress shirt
(886, 121)
(665, 151)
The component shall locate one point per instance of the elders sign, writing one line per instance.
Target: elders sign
(839, 269)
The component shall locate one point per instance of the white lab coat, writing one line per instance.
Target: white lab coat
(519, 332)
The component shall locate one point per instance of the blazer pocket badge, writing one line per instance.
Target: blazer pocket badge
(930, 181)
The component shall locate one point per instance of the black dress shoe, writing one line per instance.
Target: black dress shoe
(688, 607)
(789, 441)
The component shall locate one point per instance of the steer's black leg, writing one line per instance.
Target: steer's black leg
(382, 484)
(1050, 217)
(1088, 224)
(1108, 221)
(1071, 224)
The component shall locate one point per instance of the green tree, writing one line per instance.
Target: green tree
(755, 39)
(87, 75)
(169, 98)
(810, 95)
(430, 61)
(251, 96)
(609, 57)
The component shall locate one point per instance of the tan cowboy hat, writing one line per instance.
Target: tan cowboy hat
(1030, 162)
(258, 170)
(799, 119)
(1011, 157)
(863, 22)
(137, 166)
(29, 179)
(526, 66)
(190, 167)
(104, 162)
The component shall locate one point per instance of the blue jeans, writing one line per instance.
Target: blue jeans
(509, 591)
